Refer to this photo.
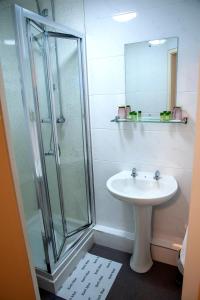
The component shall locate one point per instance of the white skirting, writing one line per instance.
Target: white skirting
(162, 249)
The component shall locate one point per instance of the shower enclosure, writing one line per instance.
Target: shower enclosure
(52, 67)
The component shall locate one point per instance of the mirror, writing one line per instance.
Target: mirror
(151, 75)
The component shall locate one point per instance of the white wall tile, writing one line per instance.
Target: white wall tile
(106, 75)
(168, 149)
(103, 8)
(103, 108)
(166, 222)
(107, 37)
(110, 211)
(145, 146)
(188, 101)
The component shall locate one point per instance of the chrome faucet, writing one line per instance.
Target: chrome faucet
(157, 175)
(134, 172)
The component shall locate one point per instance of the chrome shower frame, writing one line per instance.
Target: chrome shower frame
(21, 16)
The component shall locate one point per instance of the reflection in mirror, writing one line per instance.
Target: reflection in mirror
(151, 75)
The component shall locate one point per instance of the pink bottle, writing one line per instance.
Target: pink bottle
(122, 112)
(177, 113)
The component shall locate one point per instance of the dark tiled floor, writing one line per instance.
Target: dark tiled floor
(157, 284)
(44, 295)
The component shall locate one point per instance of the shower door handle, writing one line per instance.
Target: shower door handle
(50, 153)
(59, 150)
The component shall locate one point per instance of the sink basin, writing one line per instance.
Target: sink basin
(142, 189)
(143, 192)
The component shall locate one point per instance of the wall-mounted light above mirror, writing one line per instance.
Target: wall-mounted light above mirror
(151, 75)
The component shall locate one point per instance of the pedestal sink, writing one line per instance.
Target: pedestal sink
(143, 192)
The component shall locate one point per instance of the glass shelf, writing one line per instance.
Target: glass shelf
(150, 120)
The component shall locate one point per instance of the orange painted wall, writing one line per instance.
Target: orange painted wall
(15, 274)
(191, 282)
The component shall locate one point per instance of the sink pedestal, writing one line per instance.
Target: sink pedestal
(141, 260)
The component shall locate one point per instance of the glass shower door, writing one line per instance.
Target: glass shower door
(58, 93)
(67, 81)
(49, 148)
(50, 63)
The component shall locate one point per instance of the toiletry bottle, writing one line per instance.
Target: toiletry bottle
(122, 112)
(177, 113)
(128, 110)
(139, 115)
(164, 115)
(131, 115)
(169, 115)
(135, 116)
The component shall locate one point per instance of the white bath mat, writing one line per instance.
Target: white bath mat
(91, 280)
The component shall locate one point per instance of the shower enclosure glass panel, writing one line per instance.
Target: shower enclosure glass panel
(51, 56)
(65, 57)
(48, 143)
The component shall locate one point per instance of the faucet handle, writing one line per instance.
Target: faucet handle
(157, 175)
(134, 172)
